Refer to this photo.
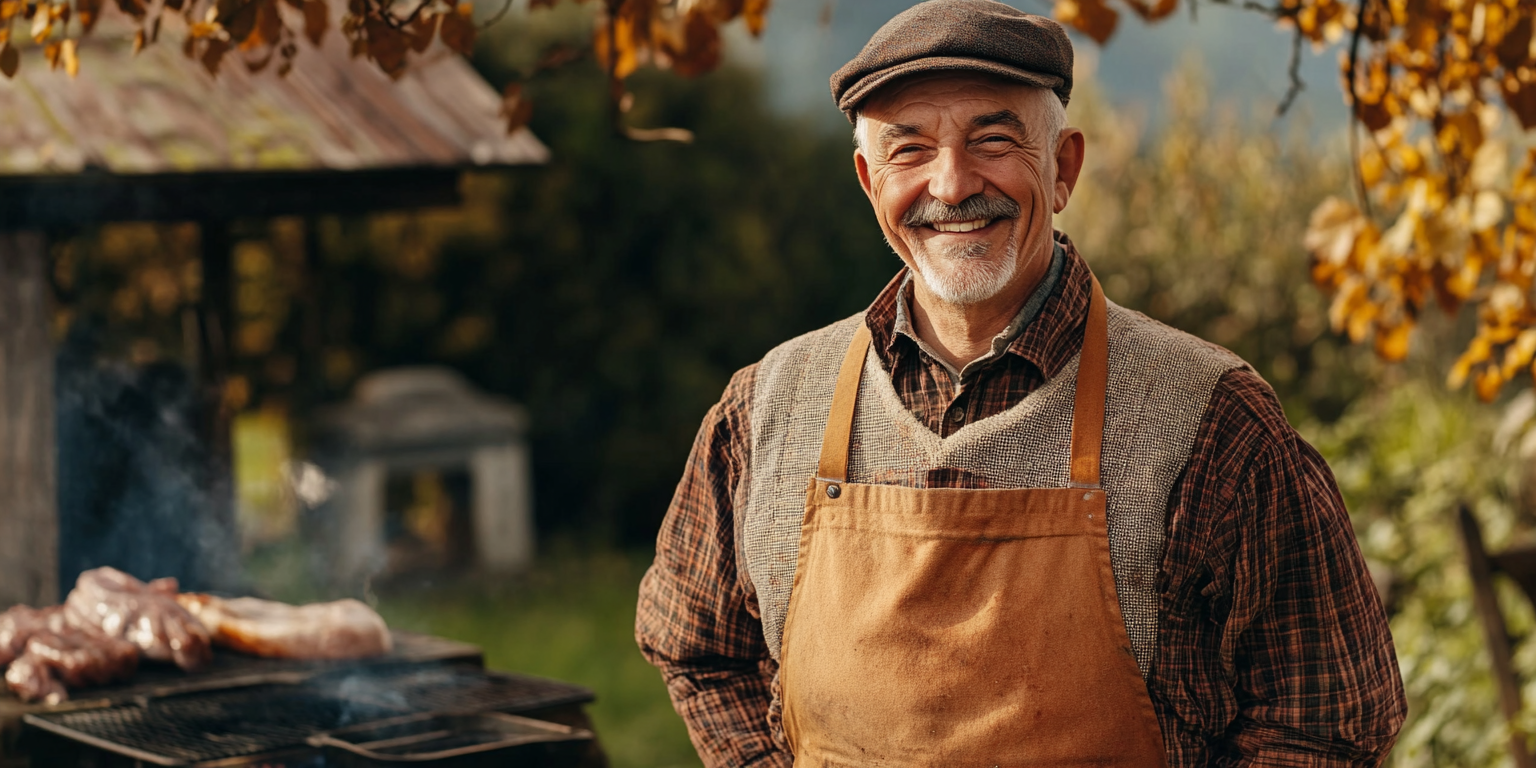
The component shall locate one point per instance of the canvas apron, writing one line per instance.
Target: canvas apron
(948, 627)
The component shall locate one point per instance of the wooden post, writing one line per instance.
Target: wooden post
(1497, 635)
(216, 324)
(29, 527)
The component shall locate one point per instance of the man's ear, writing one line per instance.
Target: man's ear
(1069, 163)
(861, 166)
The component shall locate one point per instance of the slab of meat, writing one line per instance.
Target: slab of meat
(19, 624)
(345, 629)
(69, 659)
(111, 602)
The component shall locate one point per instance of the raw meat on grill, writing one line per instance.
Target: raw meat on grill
(46, 655)
(115, 604)
(31, 680)
(17, 626)
(344, 629)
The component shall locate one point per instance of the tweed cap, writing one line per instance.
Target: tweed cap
(962, 35)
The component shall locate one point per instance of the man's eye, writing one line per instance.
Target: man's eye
(995, 139)
(906, 150)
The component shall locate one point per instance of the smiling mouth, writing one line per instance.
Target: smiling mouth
(961, 226)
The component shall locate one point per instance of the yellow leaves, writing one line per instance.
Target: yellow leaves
(1392, 342)
(1153, 11)
(1091, 17)
(71, 58)
(1332, 231)
(42, 26)
(1320, 20)
(756, 14)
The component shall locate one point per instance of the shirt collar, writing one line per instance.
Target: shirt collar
(1046, 332)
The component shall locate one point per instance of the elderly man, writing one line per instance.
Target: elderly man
(996, 520)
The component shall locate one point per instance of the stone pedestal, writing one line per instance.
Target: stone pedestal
(424, 419)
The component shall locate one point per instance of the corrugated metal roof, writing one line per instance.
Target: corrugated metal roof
(158, 112)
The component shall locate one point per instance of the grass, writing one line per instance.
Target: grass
(571, 618)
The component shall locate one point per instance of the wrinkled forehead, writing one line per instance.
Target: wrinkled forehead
(936, 98)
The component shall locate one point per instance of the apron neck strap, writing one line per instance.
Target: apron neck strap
(834, 441)
(1092, 382)
(1087, 409)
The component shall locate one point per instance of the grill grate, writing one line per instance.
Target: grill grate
(460, 689)
(239, 722)
(196, 727)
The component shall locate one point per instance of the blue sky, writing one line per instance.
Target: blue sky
(1243, 51)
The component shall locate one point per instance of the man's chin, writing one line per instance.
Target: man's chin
(964, 281)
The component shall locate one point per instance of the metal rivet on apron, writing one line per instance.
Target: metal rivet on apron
(1087, 497)
(834, 491)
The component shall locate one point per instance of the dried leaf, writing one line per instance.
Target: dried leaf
(42, 26)
(457, 29)
(71, 58)
(1521, 98)
(213, 54)
(1153, 10)
(238, 18)
(695, 49)
(386, 46)
(269, 24)
(89, 12)
(756, 14)
(1487, 383)
(1091, 17)
(317, 19)
(516, 109)
(1514, 49)
(10, 60)
(1332, 230)
(1392, 343)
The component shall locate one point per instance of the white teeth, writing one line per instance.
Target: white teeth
(960, 226)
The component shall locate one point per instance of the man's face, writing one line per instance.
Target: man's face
(964, 175)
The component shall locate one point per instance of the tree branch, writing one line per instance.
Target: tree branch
(1294, 71)
(1352, 90)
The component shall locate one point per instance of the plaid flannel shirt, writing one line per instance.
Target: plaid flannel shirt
(1273, 648)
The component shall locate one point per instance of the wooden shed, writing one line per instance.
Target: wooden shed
(154, 137)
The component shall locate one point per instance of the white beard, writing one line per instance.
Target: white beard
(963, 274)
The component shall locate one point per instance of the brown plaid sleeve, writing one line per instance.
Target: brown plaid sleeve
(696, 620)
(1276, 649)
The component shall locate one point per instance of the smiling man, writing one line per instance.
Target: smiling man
(995, 519)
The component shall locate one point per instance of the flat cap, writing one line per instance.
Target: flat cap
(962, 35)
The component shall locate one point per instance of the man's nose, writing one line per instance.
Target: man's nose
(954, 177)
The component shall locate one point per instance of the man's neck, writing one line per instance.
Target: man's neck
(962, 333)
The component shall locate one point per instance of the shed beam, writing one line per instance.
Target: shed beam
(29, 528)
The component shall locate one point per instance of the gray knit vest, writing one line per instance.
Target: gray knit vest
(1160, 381)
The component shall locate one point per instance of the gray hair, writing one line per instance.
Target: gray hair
(1055, 121)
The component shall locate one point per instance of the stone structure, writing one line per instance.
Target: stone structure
(411, 419)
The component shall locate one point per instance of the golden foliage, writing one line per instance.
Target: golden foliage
(1437, 216)
(681, 35)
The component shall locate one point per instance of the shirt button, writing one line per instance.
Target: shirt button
(956, 415)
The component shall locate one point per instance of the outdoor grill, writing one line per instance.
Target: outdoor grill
(431, 702)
